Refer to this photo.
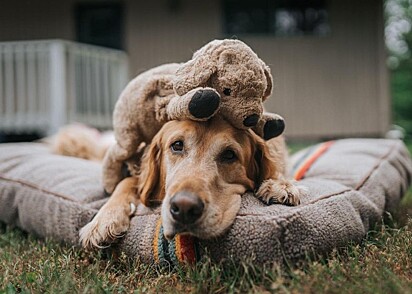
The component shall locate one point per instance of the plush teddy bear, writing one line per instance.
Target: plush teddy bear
(224, 77)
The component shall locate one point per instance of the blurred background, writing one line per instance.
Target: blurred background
(341, 68)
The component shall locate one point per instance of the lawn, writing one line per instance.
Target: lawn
(382, 264)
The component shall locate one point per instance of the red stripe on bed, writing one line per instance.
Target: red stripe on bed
(304, 167)
(185, 249)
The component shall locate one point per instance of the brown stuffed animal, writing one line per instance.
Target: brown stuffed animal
(224, 77)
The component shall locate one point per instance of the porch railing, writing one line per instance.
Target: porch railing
(46, 84)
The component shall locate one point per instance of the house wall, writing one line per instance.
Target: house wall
(329, 86)
(36, 19)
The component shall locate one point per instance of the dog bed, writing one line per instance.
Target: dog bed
(352, 183)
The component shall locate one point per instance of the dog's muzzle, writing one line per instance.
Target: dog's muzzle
(186, 208)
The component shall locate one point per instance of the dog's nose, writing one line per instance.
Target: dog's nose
(251, 120)
(186, 208)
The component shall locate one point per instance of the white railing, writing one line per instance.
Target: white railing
(46, 84)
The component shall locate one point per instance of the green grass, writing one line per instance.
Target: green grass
(381, 264)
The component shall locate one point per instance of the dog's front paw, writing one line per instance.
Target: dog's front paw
(204, 103)
(280, 191)
(108, 225)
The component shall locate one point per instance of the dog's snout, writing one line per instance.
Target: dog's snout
(251, 120)
(186, 208)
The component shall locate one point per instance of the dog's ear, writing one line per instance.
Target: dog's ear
(269, 80)
(197, 71)
(151, 177)
(263, 164)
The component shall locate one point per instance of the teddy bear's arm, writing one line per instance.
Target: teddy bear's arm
(198, 104)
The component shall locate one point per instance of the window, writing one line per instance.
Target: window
(277, 17)
(100, 24)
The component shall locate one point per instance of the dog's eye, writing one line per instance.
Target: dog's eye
(177, 146)
(227, 91)
(228, 156)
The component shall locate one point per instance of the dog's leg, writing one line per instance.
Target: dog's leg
(113, 218)
(281, 191)
(198, 104)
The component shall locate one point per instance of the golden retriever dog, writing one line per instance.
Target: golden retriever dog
(198, 172)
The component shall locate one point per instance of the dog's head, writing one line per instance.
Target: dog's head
(232, 68)
(199, 170)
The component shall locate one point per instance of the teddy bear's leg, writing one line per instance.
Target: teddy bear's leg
(127, 119)
(112, 166)
(270, 126)
(197, 104)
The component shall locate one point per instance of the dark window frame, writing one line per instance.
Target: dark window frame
(270, 7)
(84, 10)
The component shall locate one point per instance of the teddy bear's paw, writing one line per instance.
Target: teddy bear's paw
(204, 103)
(108, 225)
(281, 191)
(273, 128)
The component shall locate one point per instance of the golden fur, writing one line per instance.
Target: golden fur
(201, 170)
(81, 141)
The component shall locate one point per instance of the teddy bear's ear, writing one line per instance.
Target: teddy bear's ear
(227, 57)
(269, 80)
(196, 72)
